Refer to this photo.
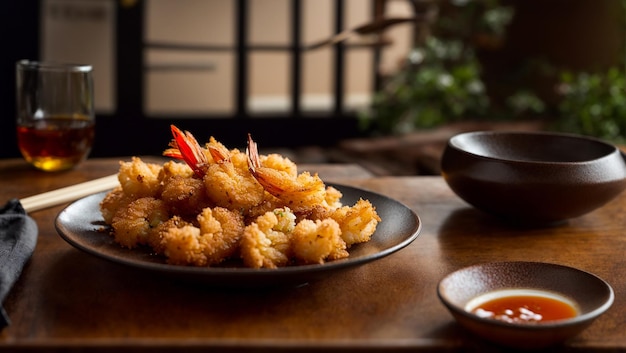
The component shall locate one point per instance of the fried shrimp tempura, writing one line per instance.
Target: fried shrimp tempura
(358, 222)
(267, 241)
(278, 162)
(223, 204)
(185, 196)
(139, 179)
(226, 228)
(333, 197)
(317, 241)
(300, 193)
(230, 185)
(134, 224)
(114, 201)
(155, 240)
(171, 168)
(215, 240)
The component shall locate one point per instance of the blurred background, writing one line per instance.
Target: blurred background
(377, 82)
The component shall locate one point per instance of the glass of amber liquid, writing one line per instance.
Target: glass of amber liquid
(55, 113)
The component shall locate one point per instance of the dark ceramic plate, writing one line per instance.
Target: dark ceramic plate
(82, 226)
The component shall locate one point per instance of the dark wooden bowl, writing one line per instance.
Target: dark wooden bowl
(533, 178)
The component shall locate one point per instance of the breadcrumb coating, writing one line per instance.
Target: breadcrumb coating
(314, 242)
(215, 240)
(133, 224)
(266, 242)
(358, 222)
(139, 179)
(230, 185)
(173, 168)
(185, 196)
(113, 201)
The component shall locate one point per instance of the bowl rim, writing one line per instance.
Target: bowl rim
(613, 149)
(577, 320)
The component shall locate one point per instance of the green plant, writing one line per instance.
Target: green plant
(429, 94)
(593, 104)
(441, 81)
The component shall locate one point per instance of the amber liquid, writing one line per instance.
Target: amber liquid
(526, 309)
(55, 144)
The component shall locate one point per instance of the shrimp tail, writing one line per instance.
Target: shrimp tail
(184, 146)
(252, 152)
(254, 166)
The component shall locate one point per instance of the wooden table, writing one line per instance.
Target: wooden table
(67, 300)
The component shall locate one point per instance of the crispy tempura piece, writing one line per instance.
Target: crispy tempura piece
(214, 241)
(266, 242)
(314, 242)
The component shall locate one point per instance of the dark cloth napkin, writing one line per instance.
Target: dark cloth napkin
(18, 237)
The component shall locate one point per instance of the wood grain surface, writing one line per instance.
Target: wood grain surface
(67, 300)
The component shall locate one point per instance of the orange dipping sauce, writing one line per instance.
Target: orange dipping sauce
(522, 306)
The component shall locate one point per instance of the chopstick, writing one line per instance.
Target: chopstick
(69, 193)
(375, 27)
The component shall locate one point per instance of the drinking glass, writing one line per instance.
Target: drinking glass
(55, 113)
